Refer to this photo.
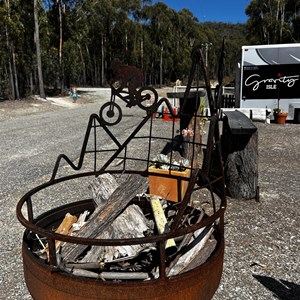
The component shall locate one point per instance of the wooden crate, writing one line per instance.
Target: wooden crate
(167, 187)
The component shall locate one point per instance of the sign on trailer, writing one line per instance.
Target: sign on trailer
(270, 73)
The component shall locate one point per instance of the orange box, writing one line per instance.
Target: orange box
(167, 187)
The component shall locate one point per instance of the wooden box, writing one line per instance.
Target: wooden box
(165, 187)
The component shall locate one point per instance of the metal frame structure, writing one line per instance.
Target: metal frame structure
(209, 176)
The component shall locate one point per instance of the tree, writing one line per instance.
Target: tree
(187, 34)
(160, 29)
(272, 21)
(38, 50)
(10, 26)
(75, 41)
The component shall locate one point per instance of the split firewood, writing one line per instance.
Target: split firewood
(64, 228)
(130, 224)
(103, 216)
(66, 224)
(203, 254)
(80, 222)
(161, 222)
(102, 188)
(193, 256)
(188, 144)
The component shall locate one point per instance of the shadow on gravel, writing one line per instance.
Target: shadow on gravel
(283, 290)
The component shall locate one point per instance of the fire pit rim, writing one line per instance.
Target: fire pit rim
(31, 226)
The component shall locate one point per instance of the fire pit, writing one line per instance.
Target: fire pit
(47, 281)
(180, 256)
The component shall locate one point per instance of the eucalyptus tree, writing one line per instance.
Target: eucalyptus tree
(58, 32)
(273, 21)
(160, 27)
(12, 29)
(292, 15)
(127, 35)
(235, 37)
(110, 31)
(187, 36)
(17, 75)
(140, 34)
(38, 49)
(98, 19)
(4, 82)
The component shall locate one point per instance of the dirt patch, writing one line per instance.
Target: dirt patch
(13, 108)
(35, 104)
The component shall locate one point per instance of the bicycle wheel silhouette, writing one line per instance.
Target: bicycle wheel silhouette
(110, 113)
(146, 97)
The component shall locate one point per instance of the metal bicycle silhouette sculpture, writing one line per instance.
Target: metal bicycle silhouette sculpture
(125, 85)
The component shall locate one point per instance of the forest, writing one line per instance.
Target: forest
(48, 45)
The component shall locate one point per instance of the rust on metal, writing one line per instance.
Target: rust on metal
(126, 85)
(47, 281)
(126, 76)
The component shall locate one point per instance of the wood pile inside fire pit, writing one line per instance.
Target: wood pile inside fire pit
(123, 211)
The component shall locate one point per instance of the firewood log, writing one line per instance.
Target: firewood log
(111, 275)
(102, 188)
(130, 224)
(161, 221)
(104, 215)
(64, 228)
(193, 255)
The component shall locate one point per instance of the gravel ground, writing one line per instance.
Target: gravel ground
(262, 239)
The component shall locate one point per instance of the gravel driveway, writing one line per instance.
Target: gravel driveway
(262, 239)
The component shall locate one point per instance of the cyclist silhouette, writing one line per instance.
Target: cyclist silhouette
(131, 78)
(126, 77)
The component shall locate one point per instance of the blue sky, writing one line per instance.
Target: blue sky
(230, 11)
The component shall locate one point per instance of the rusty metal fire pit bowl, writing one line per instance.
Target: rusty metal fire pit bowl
(49, 278)
(46, 281)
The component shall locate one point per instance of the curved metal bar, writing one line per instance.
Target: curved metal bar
(103, 242)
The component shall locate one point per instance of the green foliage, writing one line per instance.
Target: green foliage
(273, 21)
(155, 38)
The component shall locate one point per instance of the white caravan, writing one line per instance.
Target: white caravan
(270, 74)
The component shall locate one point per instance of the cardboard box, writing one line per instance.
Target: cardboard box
(167, 187)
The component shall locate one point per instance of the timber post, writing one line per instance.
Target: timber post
(240, 156)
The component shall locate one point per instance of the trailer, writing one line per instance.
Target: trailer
(270, 78)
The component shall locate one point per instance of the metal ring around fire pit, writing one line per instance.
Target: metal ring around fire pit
(46, 281)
